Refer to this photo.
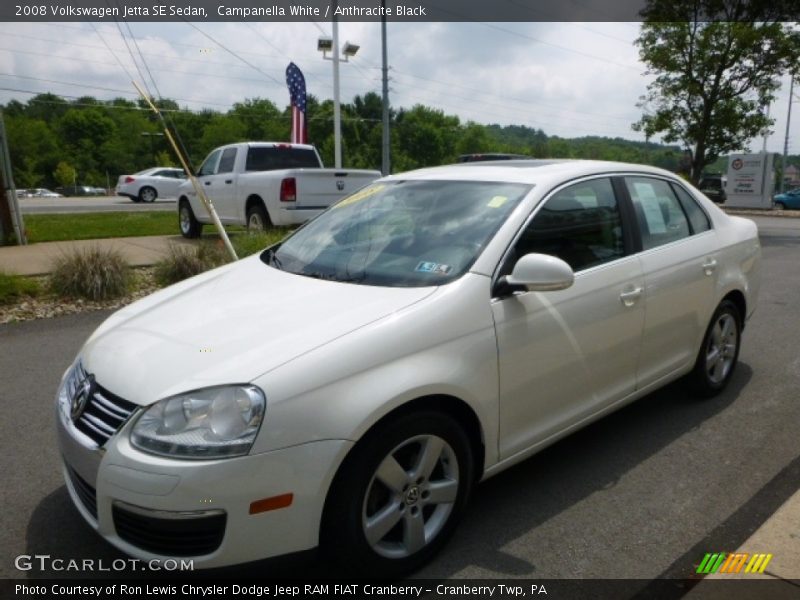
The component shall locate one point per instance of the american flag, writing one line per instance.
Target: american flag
(297, 93)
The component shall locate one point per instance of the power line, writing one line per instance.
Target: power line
(234, 54)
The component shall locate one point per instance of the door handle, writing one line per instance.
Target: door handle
(207, 182)
(630, 297)
(229, 181)
(709, 266)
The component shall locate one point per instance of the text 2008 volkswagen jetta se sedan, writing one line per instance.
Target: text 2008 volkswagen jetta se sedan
(349, 386)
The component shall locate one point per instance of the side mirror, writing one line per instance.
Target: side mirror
(540, 273)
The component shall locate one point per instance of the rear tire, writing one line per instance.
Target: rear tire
(780, 206)
(189, 225)
(147, 194)
(398, 496)
(257, 219)
(719, 352)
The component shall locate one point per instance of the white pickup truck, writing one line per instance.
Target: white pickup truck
(260, 184)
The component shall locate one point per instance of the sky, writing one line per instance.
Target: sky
(568, 79)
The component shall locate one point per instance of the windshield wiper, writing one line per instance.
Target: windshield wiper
(332, 277)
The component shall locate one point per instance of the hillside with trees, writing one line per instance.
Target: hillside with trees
(53, 141)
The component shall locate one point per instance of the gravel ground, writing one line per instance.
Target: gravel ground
(47, 305)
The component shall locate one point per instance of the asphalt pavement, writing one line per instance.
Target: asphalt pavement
(91, 204)
(642, 494)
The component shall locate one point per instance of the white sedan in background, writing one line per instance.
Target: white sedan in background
(350, 386)
(147, 185)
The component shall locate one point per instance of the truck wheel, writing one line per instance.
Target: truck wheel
(257, 219)
(189, 225)
(399, 495)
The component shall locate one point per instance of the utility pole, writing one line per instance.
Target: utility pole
(10, 216)
(786, 138)
(337, 115)
(385, 154)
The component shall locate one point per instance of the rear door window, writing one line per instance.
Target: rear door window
(659, 214)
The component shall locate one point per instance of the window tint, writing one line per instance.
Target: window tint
(697, 217)
(660, 216)
(266, 158)
(207, 167)
(581, 225)
(161, 174)
(227, 160)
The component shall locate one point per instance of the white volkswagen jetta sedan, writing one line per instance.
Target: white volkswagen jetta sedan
(349, 386)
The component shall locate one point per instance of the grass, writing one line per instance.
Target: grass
(89, 226)
(184, 262)
(15, 287)
(93, 226)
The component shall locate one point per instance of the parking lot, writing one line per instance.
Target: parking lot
(641, 494)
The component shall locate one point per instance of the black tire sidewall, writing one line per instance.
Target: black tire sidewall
(700, 382)
(342, 535)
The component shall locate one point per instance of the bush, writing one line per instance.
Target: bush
(14, 287)
(94, 274)
(184, 262)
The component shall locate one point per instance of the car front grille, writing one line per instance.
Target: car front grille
(86, 492)
(104, 414)
(183, 535)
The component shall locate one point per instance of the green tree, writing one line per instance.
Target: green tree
(712, 77)
(64, 174)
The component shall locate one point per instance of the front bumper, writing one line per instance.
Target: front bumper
(152, 507)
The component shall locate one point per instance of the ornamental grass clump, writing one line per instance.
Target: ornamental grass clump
(93, 274)
(183, 262)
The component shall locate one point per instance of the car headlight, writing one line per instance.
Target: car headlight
(69, 383)
(215, 422)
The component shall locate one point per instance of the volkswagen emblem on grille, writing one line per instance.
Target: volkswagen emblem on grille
(80, 398)
(339, 185)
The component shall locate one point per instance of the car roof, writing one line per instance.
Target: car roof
(533, 171)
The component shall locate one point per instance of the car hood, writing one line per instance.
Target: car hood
(229, 326)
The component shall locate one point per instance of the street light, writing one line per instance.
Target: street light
(325, 45)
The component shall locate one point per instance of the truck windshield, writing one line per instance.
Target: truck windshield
(400, 233)
(273, 158)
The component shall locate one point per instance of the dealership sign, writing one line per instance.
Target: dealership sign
(750, 180)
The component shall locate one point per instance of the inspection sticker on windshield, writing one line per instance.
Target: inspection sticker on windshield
(497, 201)
(432, 267)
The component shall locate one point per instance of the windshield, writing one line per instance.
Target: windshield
(400, 233)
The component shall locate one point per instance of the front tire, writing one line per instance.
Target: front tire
(399, 495)
(719, 353)
(147, 194)
(189, 225)
(780, 206)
